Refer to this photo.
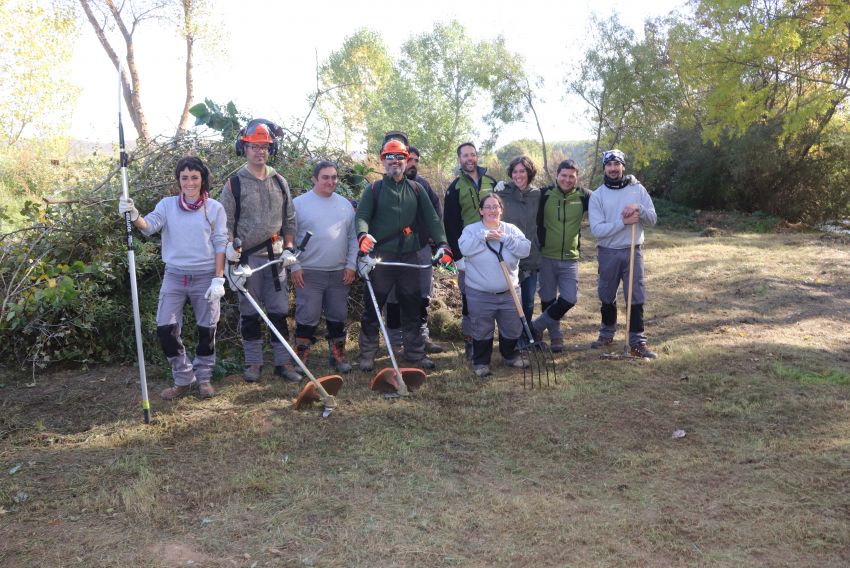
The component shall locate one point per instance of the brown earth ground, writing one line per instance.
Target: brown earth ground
(752, 332)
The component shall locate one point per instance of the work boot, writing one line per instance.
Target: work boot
(175, 392)
(481, 371)
(287, 372)
(602, 342)
(424, 363)
(518, 363)
(206, 390)
(642, 350)
(366, 362)
(556, 345)
(252, 373)
(431, 347)
(336, 355)
(302, 348)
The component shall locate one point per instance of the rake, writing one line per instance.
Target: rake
(322, 389)
(627, 353)
(538, 355)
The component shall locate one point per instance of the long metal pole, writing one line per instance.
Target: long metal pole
(131, 261)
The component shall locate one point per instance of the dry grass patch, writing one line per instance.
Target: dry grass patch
(754, 367)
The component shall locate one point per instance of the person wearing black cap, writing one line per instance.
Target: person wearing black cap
(621, 201)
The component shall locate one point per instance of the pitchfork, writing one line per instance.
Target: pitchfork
(536, 353)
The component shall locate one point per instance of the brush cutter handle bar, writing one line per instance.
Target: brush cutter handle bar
(404, 264)
(327, 399)
(237, 245)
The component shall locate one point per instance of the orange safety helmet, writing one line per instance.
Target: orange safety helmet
(258, 131)
(394, 147)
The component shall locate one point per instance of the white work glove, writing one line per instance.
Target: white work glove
(236, 281)
(277, 247)
(460, 264)
(365, 265)
(231, 253)
(125, 205)
(288, 258)
(216, 290)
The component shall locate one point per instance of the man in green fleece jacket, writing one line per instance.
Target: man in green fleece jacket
(462, 208)
(388, 224)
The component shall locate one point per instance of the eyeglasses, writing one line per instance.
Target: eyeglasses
(392, 157)
(491, 207)
(258, 147)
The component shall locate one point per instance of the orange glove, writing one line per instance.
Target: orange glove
(367, 243)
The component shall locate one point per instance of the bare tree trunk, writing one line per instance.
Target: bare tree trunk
(530, 100)
(189, 34)
(130, 88)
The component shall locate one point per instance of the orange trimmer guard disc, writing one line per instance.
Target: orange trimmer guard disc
(385, 380)
(331, 383)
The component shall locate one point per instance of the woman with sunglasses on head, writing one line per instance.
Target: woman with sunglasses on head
(522, 198)
(194, 236)
(487, 291)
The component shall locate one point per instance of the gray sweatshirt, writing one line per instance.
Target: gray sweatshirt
(483, 272)
(190, 239)
(606, 215)
(333, 245)
(262, 211)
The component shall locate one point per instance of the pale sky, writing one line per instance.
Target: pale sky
(268, 69)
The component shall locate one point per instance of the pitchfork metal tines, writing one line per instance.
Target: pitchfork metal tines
(538, 362)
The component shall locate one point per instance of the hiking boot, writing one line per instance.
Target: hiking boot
(642, 350)
(287, 372)
(302, 348)
(206, 390)
(252, 373)
(518, 363)
(175, 392)
(481, 371)
(425, 363)
(431, 347)
(336, 355)
(556, 345)
(366, 362)
(602, 342)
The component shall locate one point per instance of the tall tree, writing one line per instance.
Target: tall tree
(35, 53)
(355, 75)
(117, 23)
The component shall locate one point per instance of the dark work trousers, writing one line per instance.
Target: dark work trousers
(408, 293)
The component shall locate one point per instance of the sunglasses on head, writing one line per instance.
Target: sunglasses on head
(392, 157)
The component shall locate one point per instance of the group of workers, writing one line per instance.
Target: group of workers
(500, 236)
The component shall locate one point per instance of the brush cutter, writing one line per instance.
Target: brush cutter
(393, 382)
(627, 353)
(315, 390)
(537, 354)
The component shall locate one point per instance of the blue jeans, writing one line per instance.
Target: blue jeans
(528, 288)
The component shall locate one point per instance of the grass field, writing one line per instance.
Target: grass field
(752, 332)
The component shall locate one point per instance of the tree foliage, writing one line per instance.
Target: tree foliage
(431, 91)
(35, 50)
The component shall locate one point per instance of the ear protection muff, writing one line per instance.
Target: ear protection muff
(274, 130)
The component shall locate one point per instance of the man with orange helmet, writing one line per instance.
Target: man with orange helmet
(261, 215)
(389, 216)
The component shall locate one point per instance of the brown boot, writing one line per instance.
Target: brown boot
(302, 348)
(336, 355)
(175, 392)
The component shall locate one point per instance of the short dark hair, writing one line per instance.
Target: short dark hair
(495, 196)
(567, 165)
(195, 164)
(526, 163)
(466, 144)
(414, 150)
(322, 164)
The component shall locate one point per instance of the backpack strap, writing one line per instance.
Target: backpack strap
(236, 190)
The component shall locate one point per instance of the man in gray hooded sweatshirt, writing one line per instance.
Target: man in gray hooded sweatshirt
(621, 201)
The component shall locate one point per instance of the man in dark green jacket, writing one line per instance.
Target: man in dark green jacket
(390, 215)
(462, 208)
(559, 217)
